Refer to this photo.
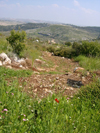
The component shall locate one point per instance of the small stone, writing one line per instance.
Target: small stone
(20, 86)
(69, 73)
(39, 61)
(78, 75)
(78, 69)
(0, 63)
(88, 73)
(57, 78)
(36, 72)
(52, 85)
(71, 88)
(48, 91)
(83, 79)
(10, 67)
(20, 66)
(41, 69)
(67, 88)
(35, 90)
(71, 96)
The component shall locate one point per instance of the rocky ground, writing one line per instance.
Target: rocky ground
(55, 75)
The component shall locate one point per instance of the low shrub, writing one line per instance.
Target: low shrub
(64, 52)
(86, 48)
(51, 49)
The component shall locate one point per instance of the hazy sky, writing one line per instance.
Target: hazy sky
(77, 12)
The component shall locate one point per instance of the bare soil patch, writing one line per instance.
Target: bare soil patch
(55, 73)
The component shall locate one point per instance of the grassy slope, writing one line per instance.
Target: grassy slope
(19, 113)
(89, 63)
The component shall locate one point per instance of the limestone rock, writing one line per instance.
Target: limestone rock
(22, 62)
(39, 61)
(57, 78)
(10, 67)
(41, 69)
(78, 69)
(5, 59)
(1, 63)
(83, 79)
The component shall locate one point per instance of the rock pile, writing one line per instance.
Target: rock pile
(15, 62)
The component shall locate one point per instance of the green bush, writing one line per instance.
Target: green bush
(68, 43)
(90, 48)
(16, 40)
(86, 48)
(76, 49)
(62, 51)
(51, 49)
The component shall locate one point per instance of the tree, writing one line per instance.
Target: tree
(16, 40)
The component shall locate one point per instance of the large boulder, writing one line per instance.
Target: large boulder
(5, 60)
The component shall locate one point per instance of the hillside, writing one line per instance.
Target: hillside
(49, 93)
(10, 22)
(62, 33)
(23, 26)
(59, 32)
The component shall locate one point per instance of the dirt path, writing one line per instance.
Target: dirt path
(55, 76)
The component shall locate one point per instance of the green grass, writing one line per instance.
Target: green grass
(21, 114)
(9, 73)
(89, 63)
(51, 72)
(4, 46)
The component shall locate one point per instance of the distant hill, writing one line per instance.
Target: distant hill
(23, 26)
(62, 33)
(10, 22)
(58, 32)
